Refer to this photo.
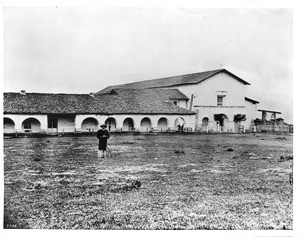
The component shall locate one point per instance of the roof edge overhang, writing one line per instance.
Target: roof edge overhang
(178, 99)
(269, 111)
(191, 113)
(178, 84)
(217, 72)
(235, 76)
(252, 101)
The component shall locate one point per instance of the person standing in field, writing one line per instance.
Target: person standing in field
(102, 135)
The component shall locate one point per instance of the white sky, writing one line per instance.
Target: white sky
(79, 50)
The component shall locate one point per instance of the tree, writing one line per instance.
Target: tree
(257, 121)
(219, 117)
(239, 118)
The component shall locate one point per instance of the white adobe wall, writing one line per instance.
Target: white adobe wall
(189, 120)
(205, 99)
(206, 91)
(182, 103)
(251, 111)
(74, 123)
(19, 119)
(209, 112)
(66, 124)
(79, 118)
(8, 128)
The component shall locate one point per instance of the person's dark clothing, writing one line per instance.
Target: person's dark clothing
(102, 135)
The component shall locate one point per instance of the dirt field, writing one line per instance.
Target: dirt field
(187, 182)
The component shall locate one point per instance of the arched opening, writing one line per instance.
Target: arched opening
(8, 125)
(205, 122)
(128, 124)
(31, 125)
(111, 124)
(224, 123)
(89, 124)
(204, 125)
(179, 123)
(238, 119)
(146, 124)
(162, 124)
(221, 121)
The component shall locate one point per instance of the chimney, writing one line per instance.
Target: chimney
(92, 94)
(23, 92)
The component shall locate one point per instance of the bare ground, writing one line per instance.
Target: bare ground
(187, 182)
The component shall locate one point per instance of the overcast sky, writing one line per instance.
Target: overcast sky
(80, 50)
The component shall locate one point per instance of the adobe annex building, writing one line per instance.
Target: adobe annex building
(190, 102)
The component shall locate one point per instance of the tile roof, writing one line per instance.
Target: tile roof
(193, 78)
(163, 93)
(151, 101)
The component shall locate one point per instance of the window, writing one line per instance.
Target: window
(52, 122)
(219, 100)
(205, 122)
(175, 102)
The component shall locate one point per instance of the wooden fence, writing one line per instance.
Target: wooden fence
(274, 128)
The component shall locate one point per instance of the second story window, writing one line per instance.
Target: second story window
(220, 100)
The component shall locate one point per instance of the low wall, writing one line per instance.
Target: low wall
(274, 128)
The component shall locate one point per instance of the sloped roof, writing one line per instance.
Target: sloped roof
(193, 78)
(120, 102)
(269, 111)
(162, 93)
(252, 101)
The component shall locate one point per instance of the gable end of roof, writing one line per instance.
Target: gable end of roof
(235, 76)
(187, 79)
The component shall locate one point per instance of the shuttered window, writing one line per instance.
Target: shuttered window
(219, 100)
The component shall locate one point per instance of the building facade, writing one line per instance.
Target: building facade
(122, 110)
(217, 92)
(207, 102)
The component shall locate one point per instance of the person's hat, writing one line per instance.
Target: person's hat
(103, 125)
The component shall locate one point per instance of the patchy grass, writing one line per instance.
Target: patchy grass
(59, 183)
